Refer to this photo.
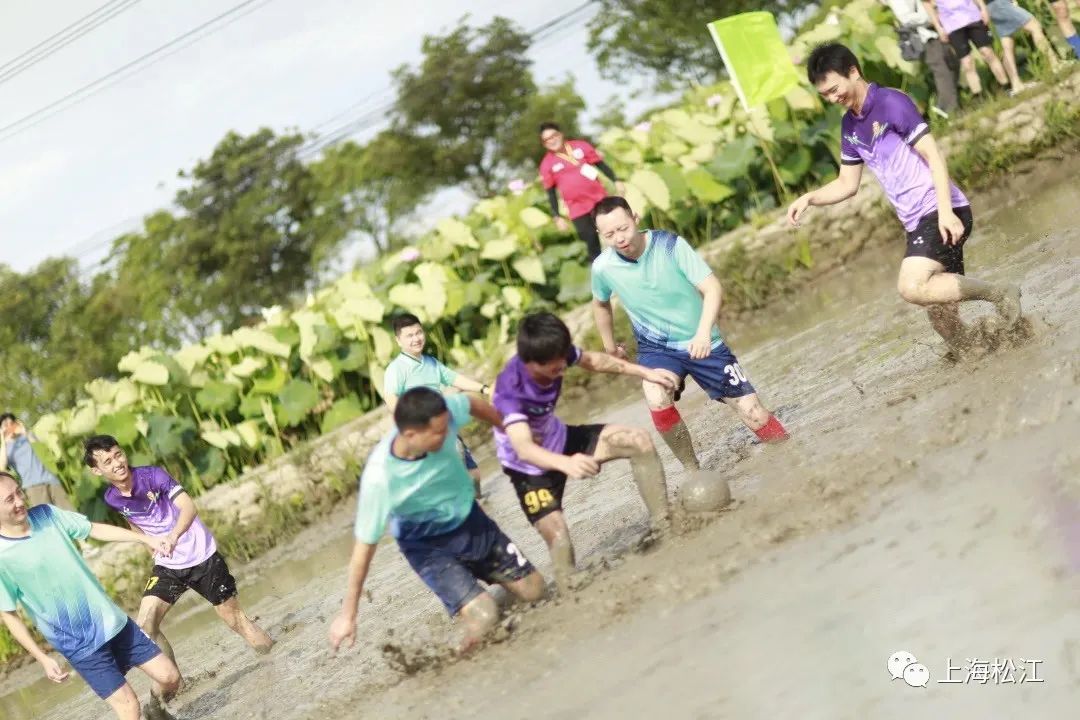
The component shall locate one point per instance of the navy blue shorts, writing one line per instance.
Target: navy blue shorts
(470, 461)
(719, 374)
(105, 668)
(452, 563)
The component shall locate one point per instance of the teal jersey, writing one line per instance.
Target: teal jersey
(46, 574)
(406, 372)
(430, 495)
(658, 290)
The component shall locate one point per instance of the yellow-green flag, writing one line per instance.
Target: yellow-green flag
(755, 56)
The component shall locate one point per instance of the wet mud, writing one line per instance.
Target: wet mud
(927, 502)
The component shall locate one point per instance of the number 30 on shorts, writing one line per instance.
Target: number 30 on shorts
(536, 499)
(736, 373)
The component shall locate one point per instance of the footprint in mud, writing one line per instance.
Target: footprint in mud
(986, 335)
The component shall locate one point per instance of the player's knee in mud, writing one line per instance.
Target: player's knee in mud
(657, 397)
(481, 614)
(910, 290)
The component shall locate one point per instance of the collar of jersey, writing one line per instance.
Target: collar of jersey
(648, 244)
(868, 103)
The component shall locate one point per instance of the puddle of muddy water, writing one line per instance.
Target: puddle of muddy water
(866, 280)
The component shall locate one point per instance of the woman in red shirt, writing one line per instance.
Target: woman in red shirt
(570, 166)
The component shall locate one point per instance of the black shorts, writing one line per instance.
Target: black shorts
(210, 578)
(926, 241)
(976, 33)
(541, 495)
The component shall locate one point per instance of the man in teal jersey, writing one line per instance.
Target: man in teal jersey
(415, 483)
(41, 569)
(672, 298)
(412, 368)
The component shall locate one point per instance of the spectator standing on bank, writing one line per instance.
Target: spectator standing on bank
(938, 56)
(1065, 24)
(963, 23)
(1008, 17)
(572, 167)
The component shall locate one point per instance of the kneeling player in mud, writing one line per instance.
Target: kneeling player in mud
(416, 480)
(883, 130)
(672, 298)
(156, 505)
(538, 451)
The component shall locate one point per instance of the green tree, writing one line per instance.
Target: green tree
(666, 38)
(249, 236)
(371, 188)
(468, 95)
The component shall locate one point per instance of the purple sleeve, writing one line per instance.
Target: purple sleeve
(162, 482)
(906, 119)
(848, 154)
(509, 406)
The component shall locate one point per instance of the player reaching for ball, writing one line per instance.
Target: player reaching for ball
(538, 451)
(672, 298)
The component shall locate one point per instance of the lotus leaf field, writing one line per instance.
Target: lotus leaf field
(212, 410)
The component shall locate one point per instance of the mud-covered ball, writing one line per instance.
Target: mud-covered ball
(704, 491)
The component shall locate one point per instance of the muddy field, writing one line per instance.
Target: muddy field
(923, 505)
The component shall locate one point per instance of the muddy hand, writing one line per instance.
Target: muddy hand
(951, 228)
(581, 465)
(53, 671)
(342, 629)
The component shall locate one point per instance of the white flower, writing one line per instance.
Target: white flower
(409, 254)
(714, 100)
(516, 186)
(644, 127)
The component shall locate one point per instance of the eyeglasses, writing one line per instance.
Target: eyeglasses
(549, 138)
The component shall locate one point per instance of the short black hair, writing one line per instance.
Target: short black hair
(543, 337)
(418, 407)
(403, 321)
(7, 416)
(610, 204)
(548, 126)
(92, 444)
(830, 57)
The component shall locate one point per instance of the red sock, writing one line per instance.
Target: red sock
(771, 431)
(666, 419)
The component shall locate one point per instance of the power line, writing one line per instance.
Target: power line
(92, 88)
(61, 39)
(370, 118)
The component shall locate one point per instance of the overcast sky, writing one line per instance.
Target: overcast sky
(73, 182)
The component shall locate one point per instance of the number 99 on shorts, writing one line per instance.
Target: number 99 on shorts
(536, 500)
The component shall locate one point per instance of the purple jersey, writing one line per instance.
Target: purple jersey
(883, 137)
(955, 14)
(521, 399)
(150, 508)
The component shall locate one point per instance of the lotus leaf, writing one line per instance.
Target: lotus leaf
(210, 465)
(247, 367)
(247, 337)
(735, 159)
(636, 198)
(705, 188)
(271, 382)
(342, 411)
(653, 188)
(675, 181)
(795, 165)
(703, 153)
(151, 373)
(48, 430)
(250, 432)
(890, 51)
(534, 218)
(217, 397)
(499, 249)
(457, 232)
(297, 399)
(433, 278)
(101, 391)
(222, 344)
(799, 98)
(251, 405)
(323, 369)
(167, 434)
(130, 362)
(574, 283)
(491, 208)
(384, 344)
(409, 296)
(191, 356)
(377, 373)
(316, 333)
(221, 438)
(531, 269)
(673, 149)
(515, 297)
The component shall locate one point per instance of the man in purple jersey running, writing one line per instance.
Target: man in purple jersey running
(883, 130)
(155, 504)
(539, 451)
